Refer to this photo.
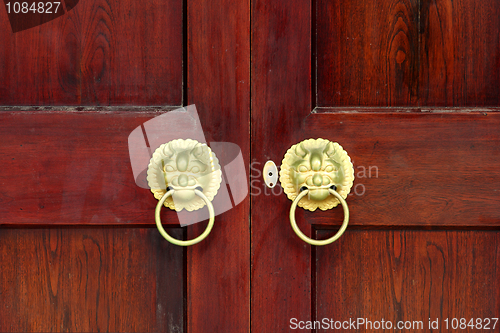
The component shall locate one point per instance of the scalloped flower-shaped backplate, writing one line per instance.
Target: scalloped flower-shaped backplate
(184, 165)
(317, 164)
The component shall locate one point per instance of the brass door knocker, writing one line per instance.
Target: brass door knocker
(317, 173)
(184, 174)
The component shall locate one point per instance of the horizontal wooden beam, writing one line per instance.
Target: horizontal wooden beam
(68, 167)
(416, 169)
(412, 109)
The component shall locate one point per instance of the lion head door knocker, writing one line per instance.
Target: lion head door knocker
(315, 173)
(184, 174)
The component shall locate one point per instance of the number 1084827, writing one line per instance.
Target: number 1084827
(463, 323)
(35, 7)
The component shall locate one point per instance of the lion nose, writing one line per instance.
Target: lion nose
(317, 179)
(183, 180)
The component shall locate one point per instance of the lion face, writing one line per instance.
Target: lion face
(185, 165)
(316, 164)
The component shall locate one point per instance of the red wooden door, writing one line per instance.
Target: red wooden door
(79, 249)
(411, 90)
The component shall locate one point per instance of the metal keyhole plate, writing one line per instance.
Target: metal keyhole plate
(270, 173)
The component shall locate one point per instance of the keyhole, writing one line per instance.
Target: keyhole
(270, 174)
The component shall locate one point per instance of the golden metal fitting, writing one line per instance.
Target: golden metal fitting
(184, 174)
(317, 168)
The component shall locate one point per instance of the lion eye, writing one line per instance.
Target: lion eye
(169, 168)
(329, 168)
(303, 168)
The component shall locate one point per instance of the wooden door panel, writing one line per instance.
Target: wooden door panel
(422, 53)
(90, 279)
(70, 167)
(367, 53)
(408, 275)
(459, 53)
(99, 53)
(281, 98)
(402, 53)
(418, 168)
(218, 83)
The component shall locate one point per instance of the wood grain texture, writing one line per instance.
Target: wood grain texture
(100, 53)
(460, 53)
(218, 83)
(409, 276)
(408, 52)
(90, 280)
(281, 98)
(72, 168)
(416, 168)
(440, 166)
(367, 52)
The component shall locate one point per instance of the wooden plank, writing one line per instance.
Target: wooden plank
(402, 53)
(459, 52)
(72, 168)
(281, 98)
(218, 83)
(411, 109)
(91, 280)
(367, 52)
(435, 169)
(99, 53)
(411, 276)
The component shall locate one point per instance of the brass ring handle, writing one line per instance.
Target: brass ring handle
(175, 172)
(188, 242)
(313, 241)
